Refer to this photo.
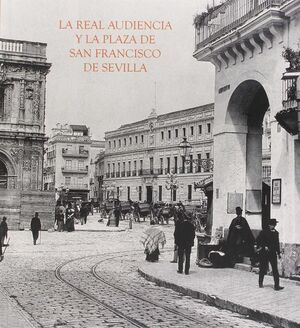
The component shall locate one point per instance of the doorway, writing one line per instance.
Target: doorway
(149, 194)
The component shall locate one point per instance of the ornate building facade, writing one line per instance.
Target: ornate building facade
(23, 71)
(140, 157)
(70, 156)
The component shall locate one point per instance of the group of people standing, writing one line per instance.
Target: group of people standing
(240, 243)
(66, 215)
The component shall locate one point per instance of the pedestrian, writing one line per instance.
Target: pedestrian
(35, 227)
(179, 213)
(184, 235)
(3, 230)
(240, 240)
(268, 249)
(117, 212)
(151, 239)
(70, 224)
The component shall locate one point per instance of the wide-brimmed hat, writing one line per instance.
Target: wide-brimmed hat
(272, 222)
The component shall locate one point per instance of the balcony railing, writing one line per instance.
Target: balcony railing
(82, 153)
(144, 172)
(83, 170)
(228, 16)
(24, 47)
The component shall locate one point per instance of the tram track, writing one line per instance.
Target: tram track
(123, 293)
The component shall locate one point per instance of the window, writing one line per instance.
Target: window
(140, 193)
(151, 164)
(191, 164)
(67, 181)
(174, 195)
(113, 168)
(161, 165)
(192, 130)
(136, 139)
(108, 168)
(109, 144)
(168, 164)
(162, 135)
(114, 143)
(141, 164)
(80, 181)
(129, 166)
(199, 163)
(176, 133)
(119, 143)
(68, 164)
(207, 155)
(142, 138)
(200, 129)
(175, 164)
(184, 132)
(80, 165)
(159, 193)
(134, 165)
(81, 149)
(208, 128)
(124, 166)
(183, 163)
(118, 192)
(125, 142)
(189, 192)
(169, 134)
(130, 140)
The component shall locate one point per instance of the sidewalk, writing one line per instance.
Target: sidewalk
(92, 225)
(11, 314)
(230, 289)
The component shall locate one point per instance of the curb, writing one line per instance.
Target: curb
(223, 304)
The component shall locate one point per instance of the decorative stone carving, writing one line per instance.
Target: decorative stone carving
(3, 70)
(27, 165)
(16, 153)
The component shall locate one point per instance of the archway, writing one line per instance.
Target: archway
(246, 110)
(3, 175)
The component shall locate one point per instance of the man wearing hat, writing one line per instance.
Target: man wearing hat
(268, 249)
(184, 236)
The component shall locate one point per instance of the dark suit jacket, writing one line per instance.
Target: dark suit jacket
(184, 234)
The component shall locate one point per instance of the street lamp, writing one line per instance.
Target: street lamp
(172, 184)
(185, 151)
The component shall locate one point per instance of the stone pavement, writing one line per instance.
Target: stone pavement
(10, 314)
(230, 289)
(92, 224)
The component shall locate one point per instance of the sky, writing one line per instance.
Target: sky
(102, 100)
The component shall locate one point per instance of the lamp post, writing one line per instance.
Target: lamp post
(206, 164)
(172, 184)
(111, 188)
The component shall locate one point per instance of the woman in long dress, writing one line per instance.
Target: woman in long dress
(151, 239)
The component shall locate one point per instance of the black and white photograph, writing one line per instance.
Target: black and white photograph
(149, 163)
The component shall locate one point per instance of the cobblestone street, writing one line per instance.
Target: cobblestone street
(90, 279)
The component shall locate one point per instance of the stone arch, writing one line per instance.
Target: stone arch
(245, 112)
(7, 171)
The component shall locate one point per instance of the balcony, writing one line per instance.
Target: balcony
(149, 172)
(78, 170)
(228, 16)
(81, 154)
(78, 186)
(21, 48)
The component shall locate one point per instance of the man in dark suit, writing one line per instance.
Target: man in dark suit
(35, 227)
(268, 249)
(184, 239)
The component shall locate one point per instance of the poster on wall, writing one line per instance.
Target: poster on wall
(276, 191)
